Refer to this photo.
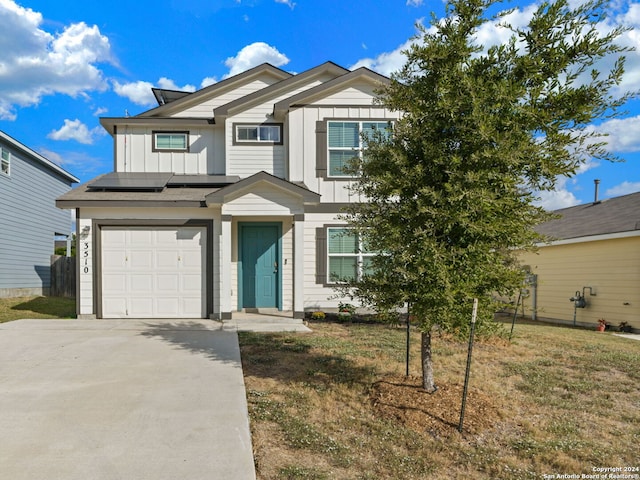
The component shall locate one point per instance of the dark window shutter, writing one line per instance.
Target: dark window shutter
(321, 255)
(321, 149)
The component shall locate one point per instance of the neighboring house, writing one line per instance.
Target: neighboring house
(594, 250)
(227, 198)
(29, 219)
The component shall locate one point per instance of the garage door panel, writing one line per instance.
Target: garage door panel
(170, 306)
(167, 283)
(140, 260)
(140, 237)
(167, 259)
(114, 257)
(191, 283)
(189, 306)
(140, 307)
(153, 272)
(115, 283)
(114, 308)
(142, 283)
(191, 259)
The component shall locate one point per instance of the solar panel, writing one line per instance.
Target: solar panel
(131, 181)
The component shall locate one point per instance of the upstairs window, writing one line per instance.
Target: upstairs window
(252, 134)
(170, 141)
(5, 161)
(345, 142)
(348, 257)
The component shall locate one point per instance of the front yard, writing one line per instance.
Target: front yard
(36, 307)
(335, 404)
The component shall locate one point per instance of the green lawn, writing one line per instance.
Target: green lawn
(36, 307)
(335, 404)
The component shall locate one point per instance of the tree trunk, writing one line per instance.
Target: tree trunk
(427, 364)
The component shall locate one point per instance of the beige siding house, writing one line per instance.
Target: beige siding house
(594, 251)
(227, 199)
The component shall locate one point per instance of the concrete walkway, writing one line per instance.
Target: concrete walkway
(122, 399)
(265, 321)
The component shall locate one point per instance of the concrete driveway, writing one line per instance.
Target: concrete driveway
(122, 399)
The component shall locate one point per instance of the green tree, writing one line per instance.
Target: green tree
(450, 193)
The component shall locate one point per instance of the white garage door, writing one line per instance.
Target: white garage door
(153, 272)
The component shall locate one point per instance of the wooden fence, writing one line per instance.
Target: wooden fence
(63, 276)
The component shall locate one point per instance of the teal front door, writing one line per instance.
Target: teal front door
(259, 267)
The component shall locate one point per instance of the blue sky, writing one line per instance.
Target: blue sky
(65, 63)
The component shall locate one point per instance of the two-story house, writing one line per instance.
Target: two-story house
(29, 219)
(227, 198)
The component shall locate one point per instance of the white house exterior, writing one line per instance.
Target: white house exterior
(226, 199)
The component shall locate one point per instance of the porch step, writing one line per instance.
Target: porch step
(264, 319)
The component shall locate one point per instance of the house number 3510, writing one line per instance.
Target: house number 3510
(85, 256)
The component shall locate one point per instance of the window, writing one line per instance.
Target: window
(345, 142)
(266, 134)
(5, 161)
(347, 258)
(170, 141)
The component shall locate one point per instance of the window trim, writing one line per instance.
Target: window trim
(322, 144)
(261, 143)
(359, 255)
(155, 148)
(5, 161)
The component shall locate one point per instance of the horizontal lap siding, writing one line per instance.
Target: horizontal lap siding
(610, 267)
(28, 222)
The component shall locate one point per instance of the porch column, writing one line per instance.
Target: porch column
(225, 268)
(298, 266)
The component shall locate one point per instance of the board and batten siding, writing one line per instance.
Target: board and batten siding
(134, 152)
(205, 108)
(29, 221)
(302, 153)
(611, 267)
(316, 295)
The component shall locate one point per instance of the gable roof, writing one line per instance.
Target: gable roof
(326, 88)
(280, 87)
(611, 216)
(216, 89)
(307, 195)
(38, 158)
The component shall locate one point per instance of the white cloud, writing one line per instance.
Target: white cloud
(253, 55)
(99, 111)
(289, 3)
(415, 3)
(623, 189)
(622, 134)
(35, 63)
(556, 199)
(140, 92)
(76, 130)
(206, 81)
(385, 63)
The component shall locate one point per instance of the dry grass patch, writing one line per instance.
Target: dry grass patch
(335, 404)
(36, 307)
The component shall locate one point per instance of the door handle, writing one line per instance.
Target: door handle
(275, 267)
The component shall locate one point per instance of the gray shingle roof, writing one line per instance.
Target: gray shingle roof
(614, 215)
